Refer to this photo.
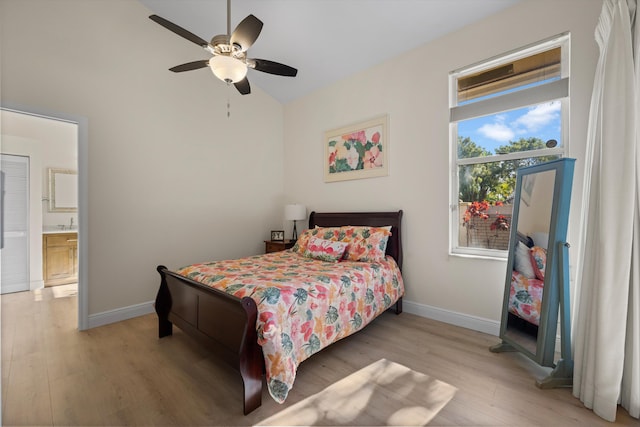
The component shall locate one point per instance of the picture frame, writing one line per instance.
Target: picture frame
(357, 151)
(277, 235)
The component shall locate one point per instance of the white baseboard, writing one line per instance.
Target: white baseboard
(479, 324)
(119, 314)
(491, 327)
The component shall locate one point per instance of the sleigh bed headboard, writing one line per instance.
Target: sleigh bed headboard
(372, 219)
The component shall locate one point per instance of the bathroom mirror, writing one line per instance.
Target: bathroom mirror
(537, 286)
(63, 190)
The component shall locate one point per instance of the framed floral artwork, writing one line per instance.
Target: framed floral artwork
(357, 151)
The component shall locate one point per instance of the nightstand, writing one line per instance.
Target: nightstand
(271, 246)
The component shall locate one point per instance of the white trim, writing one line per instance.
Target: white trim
(479, 324)
(120, 314)
(487, 326)
(516, 155)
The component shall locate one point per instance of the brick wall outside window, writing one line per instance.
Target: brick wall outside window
(480, 234)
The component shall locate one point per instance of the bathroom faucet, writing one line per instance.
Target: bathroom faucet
(71, 223)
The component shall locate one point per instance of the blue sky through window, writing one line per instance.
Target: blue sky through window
(490, 132)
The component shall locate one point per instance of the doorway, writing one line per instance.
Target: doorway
(14, 184)
(34, 134)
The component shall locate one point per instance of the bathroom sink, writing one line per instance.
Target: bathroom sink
(59, 229)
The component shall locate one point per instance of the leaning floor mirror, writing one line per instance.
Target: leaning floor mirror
(537, 280)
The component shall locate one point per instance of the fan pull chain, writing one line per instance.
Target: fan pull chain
(228, 101)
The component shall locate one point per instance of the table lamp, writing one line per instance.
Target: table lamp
(295, 212)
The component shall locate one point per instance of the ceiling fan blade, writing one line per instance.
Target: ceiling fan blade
(243, 86)
(190, 66)
(272, 67)
(179, 30)
(247, 32)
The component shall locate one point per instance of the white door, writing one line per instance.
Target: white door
(14, 211)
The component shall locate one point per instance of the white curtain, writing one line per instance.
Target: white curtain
(607, 320)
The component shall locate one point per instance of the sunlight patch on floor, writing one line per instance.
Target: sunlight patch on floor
(384, 392)
(64, 291)
(60, 291)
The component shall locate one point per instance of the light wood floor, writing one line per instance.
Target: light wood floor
(122, 374)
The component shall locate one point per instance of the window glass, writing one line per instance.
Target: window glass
(506, 113)
(530, 128)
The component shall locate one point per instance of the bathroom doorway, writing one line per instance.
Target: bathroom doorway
(52, 143)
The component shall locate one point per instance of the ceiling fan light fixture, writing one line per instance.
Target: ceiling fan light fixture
(228, 69)
(229, 62)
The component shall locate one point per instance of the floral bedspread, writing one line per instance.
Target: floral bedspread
(303, 304)
(525, 297)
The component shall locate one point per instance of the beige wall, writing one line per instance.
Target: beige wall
(171, 179)
(157, 138)
(413, 90)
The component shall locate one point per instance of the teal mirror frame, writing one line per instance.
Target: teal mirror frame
(555, 299)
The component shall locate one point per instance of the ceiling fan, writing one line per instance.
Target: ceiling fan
(229, 62)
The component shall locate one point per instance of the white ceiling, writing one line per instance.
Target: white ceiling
(326, 40)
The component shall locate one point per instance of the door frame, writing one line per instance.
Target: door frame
(83, 198)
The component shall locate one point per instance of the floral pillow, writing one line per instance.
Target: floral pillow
(325, 250)
(538, 261)
(303, 238)
(367, 244)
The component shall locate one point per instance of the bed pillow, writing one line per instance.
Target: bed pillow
(523, 262)
(331, 233)
(366, 244)
(303, 239)
(327, 233)
(538, 261)
(325, 250)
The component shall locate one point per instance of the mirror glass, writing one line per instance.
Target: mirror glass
(63, 190)
(526, 278)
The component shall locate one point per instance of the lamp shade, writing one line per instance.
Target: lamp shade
(295, 212)
(227, 68)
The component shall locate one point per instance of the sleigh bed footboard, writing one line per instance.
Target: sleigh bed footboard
(223, 323)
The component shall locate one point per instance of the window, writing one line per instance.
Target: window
(505, 113)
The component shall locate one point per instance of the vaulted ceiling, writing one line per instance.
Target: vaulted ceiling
(326, 40)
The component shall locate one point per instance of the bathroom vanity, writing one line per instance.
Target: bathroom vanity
(60, 257)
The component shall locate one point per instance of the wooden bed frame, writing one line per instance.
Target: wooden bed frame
(227, 325)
